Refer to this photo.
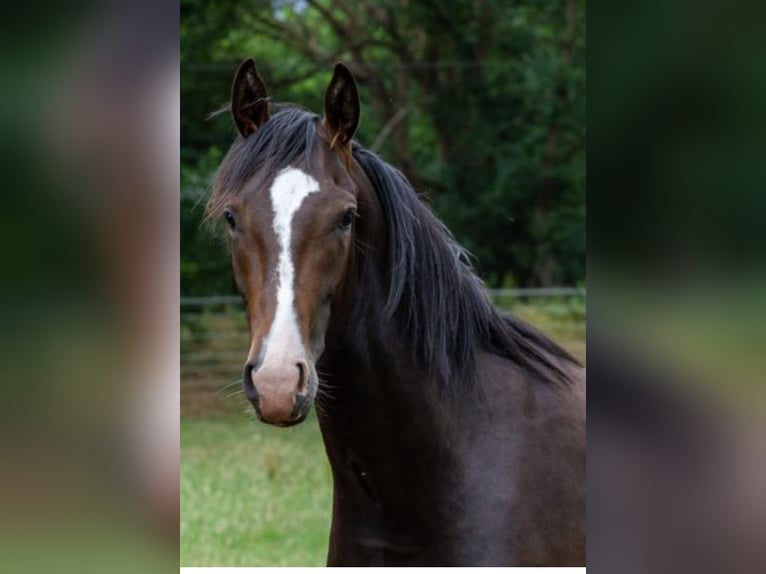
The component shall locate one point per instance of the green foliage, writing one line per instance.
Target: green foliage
(481, 104)
(205, 266)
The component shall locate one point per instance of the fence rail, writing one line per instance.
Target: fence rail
(214, 335)
(514, 292)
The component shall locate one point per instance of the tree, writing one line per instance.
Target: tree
(480, 103)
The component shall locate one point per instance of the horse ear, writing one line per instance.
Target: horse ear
(341, 105)
(249, 99)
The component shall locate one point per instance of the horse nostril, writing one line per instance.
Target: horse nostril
(299, 405)
(303, 379)
(247, 381)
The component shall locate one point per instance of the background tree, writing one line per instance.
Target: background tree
(480, 103)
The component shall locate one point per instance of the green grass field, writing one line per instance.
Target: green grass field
(255, 495)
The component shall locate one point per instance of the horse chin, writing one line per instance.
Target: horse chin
(291, 423)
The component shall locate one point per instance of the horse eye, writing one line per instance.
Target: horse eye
(348, 219)
(229, 217)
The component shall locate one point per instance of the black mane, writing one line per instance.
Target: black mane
(441, 303)
(433, 289)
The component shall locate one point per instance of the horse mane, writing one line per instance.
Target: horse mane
(432, 289)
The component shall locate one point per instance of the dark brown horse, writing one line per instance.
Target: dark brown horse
(456, 433)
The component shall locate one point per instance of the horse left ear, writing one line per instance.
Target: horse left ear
(341, 105)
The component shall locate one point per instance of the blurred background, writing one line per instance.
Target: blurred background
(480, 104)
(89, 235)
(676, 286)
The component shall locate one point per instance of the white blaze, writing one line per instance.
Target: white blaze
(290, 188)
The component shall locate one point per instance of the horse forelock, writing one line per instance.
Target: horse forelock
(285, 138)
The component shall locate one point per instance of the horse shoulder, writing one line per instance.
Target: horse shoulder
(532, 440)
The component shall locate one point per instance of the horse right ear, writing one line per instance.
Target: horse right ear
(249, 99)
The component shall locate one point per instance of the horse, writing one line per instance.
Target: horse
(455, 432)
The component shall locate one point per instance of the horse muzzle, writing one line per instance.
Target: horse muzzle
(281, 394)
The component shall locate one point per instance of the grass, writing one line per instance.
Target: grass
(254, 495)
(561, 319)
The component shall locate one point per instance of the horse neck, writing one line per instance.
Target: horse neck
(361, 339)
(370, 372)
(381, 413)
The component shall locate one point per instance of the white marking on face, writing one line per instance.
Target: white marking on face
(290, 188)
